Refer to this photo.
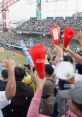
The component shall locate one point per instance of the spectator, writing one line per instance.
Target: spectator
(47, 101)
(20, 103)
(74, 100)
(35, 103)
(9, 93)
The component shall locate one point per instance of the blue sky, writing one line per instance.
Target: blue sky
(24, 9)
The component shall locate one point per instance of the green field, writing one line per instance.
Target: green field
(9, 55)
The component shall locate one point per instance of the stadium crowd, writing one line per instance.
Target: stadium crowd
(44, 25)
(8, 38)
(24, 94)
(38, 30)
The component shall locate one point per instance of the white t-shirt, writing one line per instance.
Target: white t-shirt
(3, 101)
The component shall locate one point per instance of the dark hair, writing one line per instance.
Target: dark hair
(49, 69)
(4, 74)
(79, 106)
(79, 68)
(34, 69)
(68, 58)
(19, 73)
(48, 59)
(27, 66)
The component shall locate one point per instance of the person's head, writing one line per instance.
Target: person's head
(65, 71)
(27, 68)
(19, 73)
(33, 69)
(74, 98)
(4, 74)
(48, 59)
(48, 70)
(68, 58)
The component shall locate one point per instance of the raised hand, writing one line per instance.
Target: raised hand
(40, 82)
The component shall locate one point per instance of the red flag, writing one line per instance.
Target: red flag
(38, 54)
(55, 33)
(68, 35)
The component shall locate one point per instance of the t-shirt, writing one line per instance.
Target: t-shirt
(47, 100)
(28, 81)
(3, 101)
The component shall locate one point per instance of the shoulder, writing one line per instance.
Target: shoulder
(23, 89)
(3, 100)
(2, 96)
(50, 82)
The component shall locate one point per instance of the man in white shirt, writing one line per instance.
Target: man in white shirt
(9, 93)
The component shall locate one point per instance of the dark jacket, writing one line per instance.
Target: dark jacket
(63, 85)
(20, 103)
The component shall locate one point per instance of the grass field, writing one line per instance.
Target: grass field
(19, 59)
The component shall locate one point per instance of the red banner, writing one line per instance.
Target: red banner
(55, 33)
(68, 35)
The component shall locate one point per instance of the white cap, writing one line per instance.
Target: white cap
(65, 70)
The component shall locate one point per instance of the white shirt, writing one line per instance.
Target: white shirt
(3, 101)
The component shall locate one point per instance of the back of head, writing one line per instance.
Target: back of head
(27, 66)
(68, 58)
(65, 70)
(49, 69)
(19, 73)
(4, 74)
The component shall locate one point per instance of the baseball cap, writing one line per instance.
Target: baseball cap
(75, 93)
(65, 70)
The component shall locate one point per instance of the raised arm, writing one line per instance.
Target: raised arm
(35, 103)
(11, 84)
(77, 57)
(59, 54)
